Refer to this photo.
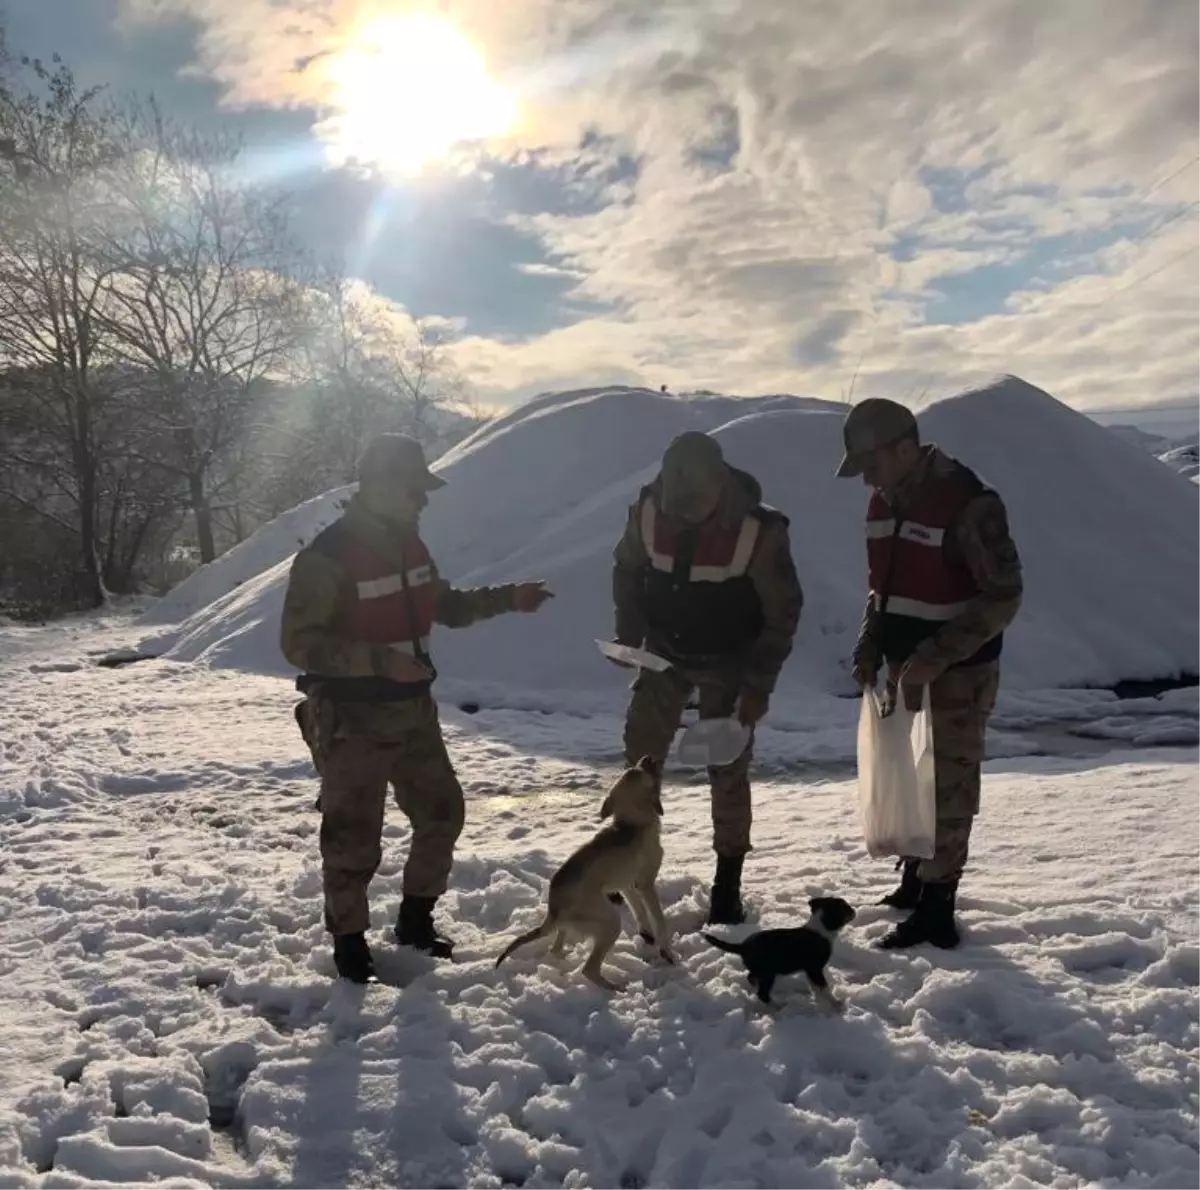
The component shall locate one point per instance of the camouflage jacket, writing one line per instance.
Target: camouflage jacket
(318, 589)
(981, 537)
(771, 570)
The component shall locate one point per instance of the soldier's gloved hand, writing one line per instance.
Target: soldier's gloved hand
(528, 597)
(913, 676)
(403, 668)
(918, 671)
(752, 706)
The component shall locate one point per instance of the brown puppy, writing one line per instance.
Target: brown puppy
(624, 857)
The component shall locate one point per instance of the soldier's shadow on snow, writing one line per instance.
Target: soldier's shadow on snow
(380, 1102)
(982, 1000)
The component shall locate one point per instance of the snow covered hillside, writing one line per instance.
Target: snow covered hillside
(1107, 534)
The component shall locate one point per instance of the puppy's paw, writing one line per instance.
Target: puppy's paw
(835, 1004)
(603, 982)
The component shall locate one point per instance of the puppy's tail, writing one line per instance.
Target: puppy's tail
(722, 944)
(543, 931)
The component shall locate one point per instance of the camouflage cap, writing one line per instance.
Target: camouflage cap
(693, 474)
(871, 424)
(397, 460)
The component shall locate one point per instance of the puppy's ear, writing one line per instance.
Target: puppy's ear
(606, 807)
(649, 765)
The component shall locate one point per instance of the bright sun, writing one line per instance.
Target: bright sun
(411, 87)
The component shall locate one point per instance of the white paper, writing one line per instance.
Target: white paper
(633, 656)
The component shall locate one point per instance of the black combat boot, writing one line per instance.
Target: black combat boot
(725, 900)
(932, 921)
(352, 957)
(415, 928)
(908, 893)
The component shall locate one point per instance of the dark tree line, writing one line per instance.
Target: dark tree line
(174, 367)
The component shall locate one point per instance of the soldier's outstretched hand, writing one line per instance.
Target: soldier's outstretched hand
(528, 597)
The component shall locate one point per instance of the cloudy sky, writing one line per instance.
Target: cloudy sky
(743, 195)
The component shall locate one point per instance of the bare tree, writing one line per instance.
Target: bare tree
(202, 293)
(369, 368)
(57, 152)
(136, 511)
(423, 381)
(165, 355)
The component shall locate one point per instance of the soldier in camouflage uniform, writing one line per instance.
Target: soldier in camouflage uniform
(361, 601)
(703, 576)
(945, 583)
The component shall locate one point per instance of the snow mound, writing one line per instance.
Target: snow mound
(1107, 534)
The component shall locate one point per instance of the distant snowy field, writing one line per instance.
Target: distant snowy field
(167, 1007)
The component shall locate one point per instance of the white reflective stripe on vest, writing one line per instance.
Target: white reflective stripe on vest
(657, 560)
(920, 610)
(380, 588)
(407, 646)
(738, 564)
(909, 531)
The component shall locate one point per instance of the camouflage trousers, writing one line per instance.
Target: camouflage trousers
(654, 715)
(962, 701)
(359, 750)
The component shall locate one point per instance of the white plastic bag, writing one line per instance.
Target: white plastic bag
(897, 797)
(712, 742)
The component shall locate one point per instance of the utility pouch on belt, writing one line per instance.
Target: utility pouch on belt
(316, 720)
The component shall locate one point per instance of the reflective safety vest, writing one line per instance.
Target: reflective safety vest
(391, 606)
(700, 599)
(919, 579)
(382, 603)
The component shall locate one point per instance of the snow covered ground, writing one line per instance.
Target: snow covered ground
(167, 1011)
(167, 1007)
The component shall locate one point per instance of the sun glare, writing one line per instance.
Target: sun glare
(409, 89)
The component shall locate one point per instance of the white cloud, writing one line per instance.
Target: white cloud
(853, 119)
